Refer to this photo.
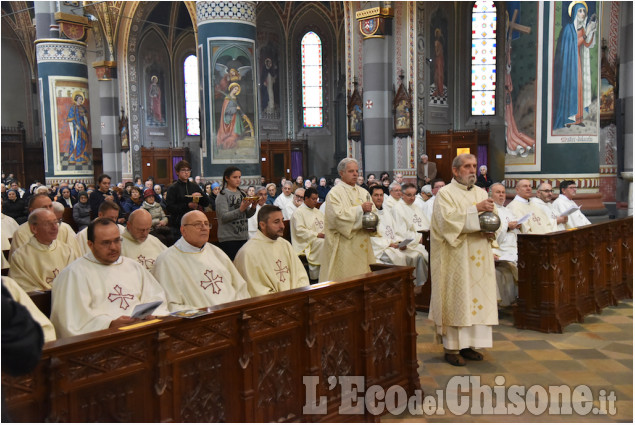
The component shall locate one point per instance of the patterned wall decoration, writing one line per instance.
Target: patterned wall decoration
(420, 79)
(70, 114)
(219, 11)
(69, 52)
(572, 107)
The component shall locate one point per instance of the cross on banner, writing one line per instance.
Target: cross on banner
(212, 281)
(281, 270)
(118, 295)
(369, 104)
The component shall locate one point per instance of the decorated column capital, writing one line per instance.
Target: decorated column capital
(372, 22)
(105, 70)
(226, 11)
(58, 50)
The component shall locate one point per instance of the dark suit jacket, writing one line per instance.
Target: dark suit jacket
(432, 172)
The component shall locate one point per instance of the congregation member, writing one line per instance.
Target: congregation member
(429, 205)
(408, 213)
(426, 171)
(271, 193)
(307, 232)
(564, 203)
(267, 261)
(183, 196)
(23, 234)
(159, 219)
(195, 273)
(20, 296)
(14, 206)
(538, 223)
(347, 250)
(101, 289)
(66, 198)
(107, 209)
(81, 211)
(463, 300)
(506, 253)
(252, 223)
(103, 193)
(233, 210)
(544, 200)
(484, 180)
(36, 264)
(386, 243)
(158, 196)
(322, 189)
(134, 202)
(285, 198)
(137, 242)
(394, 196)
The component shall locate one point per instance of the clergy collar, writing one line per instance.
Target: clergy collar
(91, 257)
(42, 247)
(521, 199)
(185, 246)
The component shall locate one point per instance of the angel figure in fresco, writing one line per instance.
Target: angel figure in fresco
(572, 68)
(155, 100)
(228, 75)
(234, 124)
(77, 119)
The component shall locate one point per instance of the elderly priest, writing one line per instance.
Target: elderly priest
(307, 231)
(138, 243)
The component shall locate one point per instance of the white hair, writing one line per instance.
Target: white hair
(343, 163)
(393, 186)
(57, 207)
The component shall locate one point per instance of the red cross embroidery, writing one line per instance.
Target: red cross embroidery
(50, 280)
(212, 281)
(390, 233)
(281, 270)
(146, 262)
(369, 104)
(119, 295)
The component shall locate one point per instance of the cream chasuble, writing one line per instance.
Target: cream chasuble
(20, 296)
(576, 219)
(281, 202)
(539, 223)
(82, 239)
(347, 249)
(270, 266)
(9, 226)
(384, 253)
(389, 203)
(23, 234)
(410, 216)
(198, 277)
(145, 253)
(34, 266)
(545, 207)
(306, 223)
(88, 295)
(419, 202)
(428, 207)
(463, 277)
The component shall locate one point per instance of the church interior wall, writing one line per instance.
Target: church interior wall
(93, 54)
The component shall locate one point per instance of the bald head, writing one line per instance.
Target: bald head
(523, 189)
(40, 200)
(58, 209)
(140, 224)
(195, 228)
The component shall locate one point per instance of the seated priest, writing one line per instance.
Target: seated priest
(395, 196)
(407, 211)
(252, 222)
(428, 207)
(195, 273)
(307, 231)
(292, 207)
(107, 209)
(20, 296)
(388, 247)
(564, 203)
(538, 223)
(544, 201)
(36, 264)
(506, 254)
(285, 198)
(138, 243)
(267, 261)
(101, 289)
(23, 234)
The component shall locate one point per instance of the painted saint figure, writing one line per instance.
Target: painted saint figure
(439, 63)
(78, 123)
(154, 92)
(230, 127)
(269, 76)
(572, 68)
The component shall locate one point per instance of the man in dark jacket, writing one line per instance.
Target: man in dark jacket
(183, 196)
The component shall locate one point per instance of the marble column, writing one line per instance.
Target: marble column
(109, 102)
(227, 66)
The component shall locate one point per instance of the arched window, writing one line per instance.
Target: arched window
(484, 58)
(312, 114)
(190, 80)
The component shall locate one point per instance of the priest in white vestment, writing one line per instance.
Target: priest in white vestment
(307, 231)
(23, 234)
(564, 203)
(36, 264)
(538, 223)
(285, 198)
(506, 253)
(252, 222)
(291, 208)
(101, 289)
(544, 201)
(408, 212)
(19, 295)
(195, 273)
(138, 244)
(9, 226)
(107, 209)
(463, 300)
(347, 250)
(394, 196)
(429, 205)
(424, 195)
(386, 242)
(267, 261)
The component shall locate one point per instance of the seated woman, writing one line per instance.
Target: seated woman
(14, 206)
(159, 219)
(134, 202)
(483, 180)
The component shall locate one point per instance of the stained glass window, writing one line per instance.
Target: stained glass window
(190, 79)
(312, 116)
(484, 58)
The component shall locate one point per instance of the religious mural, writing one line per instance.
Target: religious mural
(234, 101)
(155, 102)
(70, 122)
(438, 54)
(269, 80)
(523, 48)
(574, 77)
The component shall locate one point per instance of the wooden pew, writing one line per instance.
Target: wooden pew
(244, 362)
(564, 276)
(68, 218)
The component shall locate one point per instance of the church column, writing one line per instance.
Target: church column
(376, 28)
(109, 101)
(625, 187)
(63, 88)
(226, 60)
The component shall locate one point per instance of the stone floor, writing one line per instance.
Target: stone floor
(597, 353)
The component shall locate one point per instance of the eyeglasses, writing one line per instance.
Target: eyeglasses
(198, 226)
(544, 190)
